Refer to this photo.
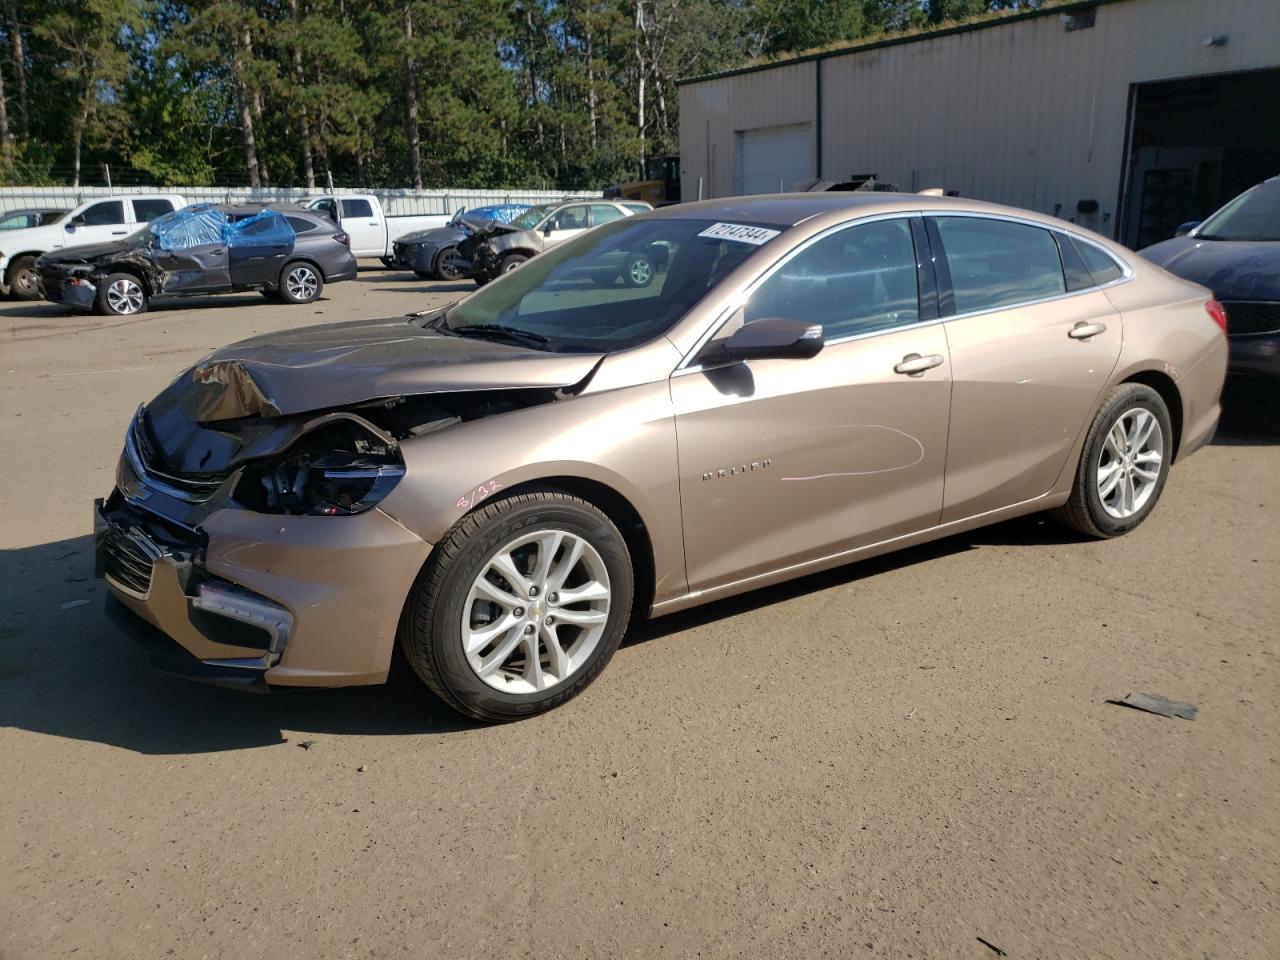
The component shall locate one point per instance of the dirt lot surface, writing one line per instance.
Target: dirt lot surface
(893, 759)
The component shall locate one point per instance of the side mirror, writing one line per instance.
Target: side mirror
(772, 338)
(1185, 228)
(75, 222)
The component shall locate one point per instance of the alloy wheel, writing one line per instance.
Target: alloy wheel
(124, 297)
(641, 271)
(301, 283)
(1130, 462)
(536, 612)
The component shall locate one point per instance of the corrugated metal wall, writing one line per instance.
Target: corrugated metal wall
(1025, 113)
(395, 202)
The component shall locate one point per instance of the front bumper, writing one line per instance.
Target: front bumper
(76, 292)
(307, 601)
(414, 256)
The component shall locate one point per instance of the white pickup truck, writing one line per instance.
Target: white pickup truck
(99, 220)
(372, 232)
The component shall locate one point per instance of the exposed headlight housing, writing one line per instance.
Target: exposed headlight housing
(334, 472)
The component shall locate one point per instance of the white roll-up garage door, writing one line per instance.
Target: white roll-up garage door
(769, 156)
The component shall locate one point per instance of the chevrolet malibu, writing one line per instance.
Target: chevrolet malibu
(499, 486)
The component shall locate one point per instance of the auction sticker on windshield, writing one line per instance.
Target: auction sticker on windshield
(739, 232)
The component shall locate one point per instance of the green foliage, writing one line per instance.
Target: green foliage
(567, 93)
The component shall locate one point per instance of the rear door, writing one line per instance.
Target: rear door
(1029, 357)
(788, 461)
(259, 251)
(365, 227)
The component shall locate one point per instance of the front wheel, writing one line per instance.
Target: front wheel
(22, 279)
(1124, 464)
(121, 295)
(520, 606)
(446, 266)
(300, 282)
(512, 261)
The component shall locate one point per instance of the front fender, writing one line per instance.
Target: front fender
(622, 439)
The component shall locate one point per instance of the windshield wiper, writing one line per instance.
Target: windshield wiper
(498, 331)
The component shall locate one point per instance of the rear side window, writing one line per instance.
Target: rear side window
(356, 208)
(144, 211)
(299, 225)
(996, 263)
(104, 214)
(856, 281)
(603, 213)
(638, 207)
(1102, 267)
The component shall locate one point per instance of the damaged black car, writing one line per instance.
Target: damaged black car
(287, 253)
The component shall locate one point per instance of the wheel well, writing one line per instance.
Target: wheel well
(624, 516)
(8, 270)
(308, 261)
(1163, 384)
(132, 271)
(527, 254)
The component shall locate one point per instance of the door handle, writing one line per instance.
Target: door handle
(1083, 331)
(118, 233)
(913, 365)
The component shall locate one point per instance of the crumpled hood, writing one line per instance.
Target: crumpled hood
(1232, 269)
(341, 364)
(86, 252)
(444, 234)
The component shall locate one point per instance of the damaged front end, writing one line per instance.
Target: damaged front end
(245, 521)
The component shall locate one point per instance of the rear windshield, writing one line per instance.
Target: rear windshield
(616, 286)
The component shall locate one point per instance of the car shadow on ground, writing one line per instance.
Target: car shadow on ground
(56, 311)
(1250, 416)
(66, 670)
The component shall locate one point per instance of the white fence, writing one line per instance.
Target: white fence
(395, 202)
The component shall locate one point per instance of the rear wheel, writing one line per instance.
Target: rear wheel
(300, 282)
(122, 295)
(1124, 464)
(520, 606)
(22, 279)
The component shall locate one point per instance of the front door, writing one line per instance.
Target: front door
(197, 268)
(567, 223)
(102, 222)
(784, 461)
(1028, 360)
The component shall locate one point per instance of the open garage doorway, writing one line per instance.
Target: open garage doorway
(1193, 144)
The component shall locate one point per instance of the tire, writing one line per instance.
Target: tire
(121, 295)
(387, 263)
(447, 607)
(512, 261)
(1113, 493)
(480, 279)
(444, 269)
(22, 279)
(638, 271)
(300, 282)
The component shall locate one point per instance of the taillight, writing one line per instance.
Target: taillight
(1218, 312)
(343, 239)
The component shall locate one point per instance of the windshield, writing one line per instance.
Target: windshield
(531, 217)
(616, 286)
(1254, 215)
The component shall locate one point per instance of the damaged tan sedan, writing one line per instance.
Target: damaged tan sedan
(501, 486)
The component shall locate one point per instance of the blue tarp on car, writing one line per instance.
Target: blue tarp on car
(206, 224)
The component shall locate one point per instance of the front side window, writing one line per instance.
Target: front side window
(1254, 215)
(356, 208)
(571, 218)
(144, 211)
(604, 213)
(582, 296)
(997, 263)
(856, 281)
(104, 214)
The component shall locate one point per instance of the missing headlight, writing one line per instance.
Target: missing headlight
(335, 471)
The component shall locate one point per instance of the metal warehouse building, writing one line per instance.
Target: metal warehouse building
(1126, 116)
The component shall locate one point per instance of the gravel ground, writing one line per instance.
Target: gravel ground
(897, 758)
